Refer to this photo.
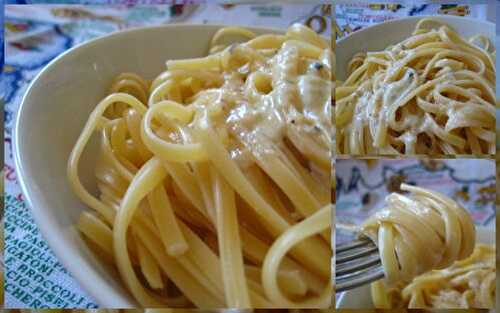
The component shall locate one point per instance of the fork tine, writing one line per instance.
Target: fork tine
(346, 282)
(352, 254)
(353, 244)
(357, 264)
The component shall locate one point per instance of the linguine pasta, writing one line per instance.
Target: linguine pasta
(214, 177)
(418, 233)
(469, 283)
(433, 93)
(426, 244)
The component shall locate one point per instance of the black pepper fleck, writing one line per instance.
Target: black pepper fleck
(318, 66)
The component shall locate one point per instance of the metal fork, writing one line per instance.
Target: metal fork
(357, 263)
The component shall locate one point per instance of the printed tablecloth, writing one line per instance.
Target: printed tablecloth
(34, 36)
(357, 15)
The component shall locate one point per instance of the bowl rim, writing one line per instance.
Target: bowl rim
(50, 234)
(416, 17)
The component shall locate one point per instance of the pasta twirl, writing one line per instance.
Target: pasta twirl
(426, 243)
(422, 232)
(432, 93)
(214, 177)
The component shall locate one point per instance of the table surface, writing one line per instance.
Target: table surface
(355, 16)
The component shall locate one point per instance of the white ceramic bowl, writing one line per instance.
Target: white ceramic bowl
(360, 298)
(379, 36)
(52, 115)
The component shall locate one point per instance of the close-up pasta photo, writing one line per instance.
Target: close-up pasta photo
(205, 137)
(189, 162)
(416, 233)
(422, 84)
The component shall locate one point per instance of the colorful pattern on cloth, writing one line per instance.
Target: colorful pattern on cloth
(35, 35)
(1, 39)
(112, 2)
(355, 16)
